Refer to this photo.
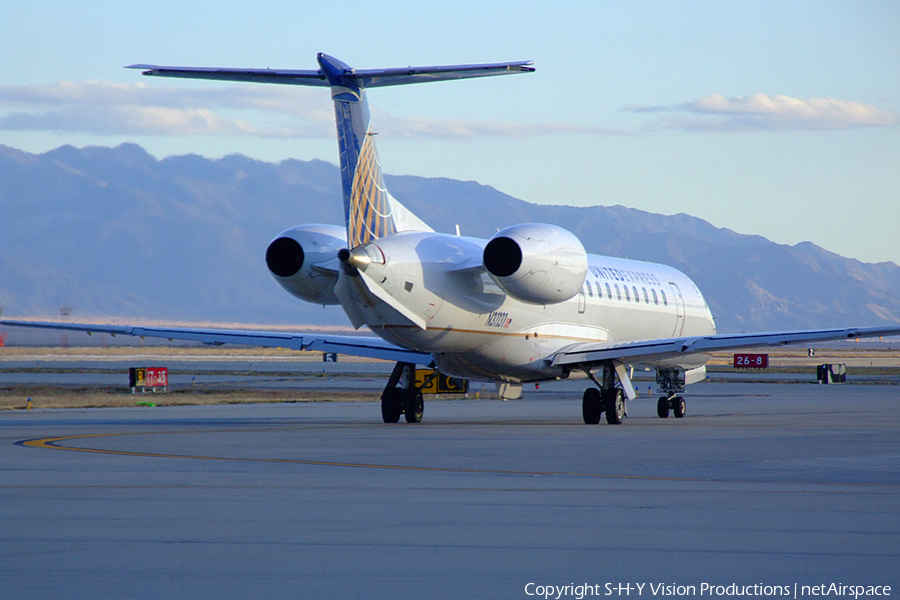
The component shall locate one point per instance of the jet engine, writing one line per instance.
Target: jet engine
(299, 260)
(536, 262)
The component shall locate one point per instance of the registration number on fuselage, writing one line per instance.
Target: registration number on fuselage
(498, 319)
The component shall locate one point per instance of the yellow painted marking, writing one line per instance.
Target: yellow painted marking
(51, 444)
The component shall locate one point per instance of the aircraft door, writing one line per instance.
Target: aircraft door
(679, 309)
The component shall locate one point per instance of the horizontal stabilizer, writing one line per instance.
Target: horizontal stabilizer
(370, 212)
(363, 78)
(370, 78)
(286, 77)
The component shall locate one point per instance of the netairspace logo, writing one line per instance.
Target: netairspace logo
(586, 590)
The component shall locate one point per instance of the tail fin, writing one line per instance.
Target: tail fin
(373, 212)
(370, 211)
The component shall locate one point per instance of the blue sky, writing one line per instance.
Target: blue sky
(772, 118)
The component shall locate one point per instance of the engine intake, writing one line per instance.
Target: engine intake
(292, 256)
(536, 263)
(284, 257)
(502, 256)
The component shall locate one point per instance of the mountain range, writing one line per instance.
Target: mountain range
(115, 231)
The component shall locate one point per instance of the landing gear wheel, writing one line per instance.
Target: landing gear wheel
(678, 407)
(615, 406)
(413, 405)
(591, 406)
(391, 405)
(662, 407)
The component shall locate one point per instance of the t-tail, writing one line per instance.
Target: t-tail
(370, 211)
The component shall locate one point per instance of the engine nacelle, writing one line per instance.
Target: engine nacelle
(292, 255)
(536, 262)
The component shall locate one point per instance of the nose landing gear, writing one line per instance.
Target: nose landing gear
(671, 382)
(675, 403)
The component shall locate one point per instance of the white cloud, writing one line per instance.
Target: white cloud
(104, 108)
(463, 129)
(758, 111)
(288, 112)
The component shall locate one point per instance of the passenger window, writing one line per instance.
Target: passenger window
(636, 297)
(646, 297)
(627, 295)
(655, 297)
(665, 300)
(618, 292)
(599, 289)
(608, 291)
(590, 291)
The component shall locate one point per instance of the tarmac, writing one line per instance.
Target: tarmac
(769, 486)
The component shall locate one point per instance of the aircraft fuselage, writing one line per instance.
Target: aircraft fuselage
(474, 330)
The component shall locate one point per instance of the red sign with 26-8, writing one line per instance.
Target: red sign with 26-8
(751, 361)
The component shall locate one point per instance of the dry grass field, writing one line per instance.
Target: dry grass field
(58, 397)
(14, 397)
(862, 361)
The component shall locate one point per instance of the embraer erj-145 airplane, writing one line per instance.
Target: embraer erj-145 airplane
(527, 305)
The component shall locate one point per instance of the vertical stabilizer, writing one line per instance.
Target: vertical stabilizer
(370, 211)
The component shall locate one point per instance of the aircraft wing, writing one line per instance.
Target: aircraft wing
(667, 349)
(371, 347)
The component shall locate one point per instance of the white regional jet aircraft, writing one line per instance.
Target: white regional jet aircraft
(527, 305)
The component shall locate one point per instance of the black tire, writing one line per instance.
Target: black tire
(391, 405)
(662, 407)
(678, 407)
(413, 405)
(591, 406)
(615, 406)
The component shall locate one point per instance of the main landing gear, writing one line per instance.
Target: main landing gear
(401, 396)
(596, 402)
(607, 399)
(609, 395)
